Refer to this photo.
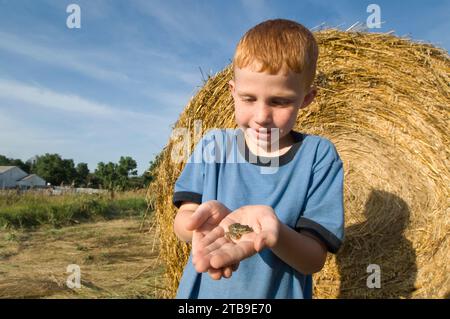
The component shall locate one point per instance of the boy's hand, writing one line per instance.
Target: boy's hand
(206, 217)
(214, 250)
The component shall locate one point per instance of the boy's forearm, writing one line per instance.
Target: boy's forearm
(300, 251)
(179, 225)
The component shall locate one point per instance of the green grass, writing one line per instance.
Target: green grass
(34, 210)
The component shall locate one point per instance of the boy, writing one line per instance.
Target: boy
(291, 213)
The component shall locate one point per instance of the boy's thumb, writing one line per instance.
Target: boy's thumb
(260, 242)
(263, 240)
(192, 222)
(196, 219)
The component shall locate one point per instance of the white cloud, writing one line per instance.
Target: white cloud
(60, 57)
(24, 140)
(89, 141)
(175, 100)
(47, 98)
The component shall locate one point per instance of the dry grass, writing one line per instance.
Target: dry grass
(384, 102)
(116, 259)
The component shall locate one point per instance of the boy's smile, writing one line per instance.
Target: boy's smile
(265, 102)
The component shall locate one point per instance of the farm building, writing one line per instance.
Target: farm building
(13, 176)
(31, 181)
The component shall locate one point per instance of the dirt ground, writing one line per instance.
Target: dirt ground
(116, 258)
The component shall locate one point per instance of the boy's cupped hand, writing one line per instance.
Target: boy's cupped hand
(215, 251)
(206, 217)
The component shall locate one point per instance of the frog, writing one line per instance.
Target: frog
(236, 230)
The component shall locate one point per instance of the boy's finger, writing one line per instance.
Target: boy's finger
(223, 259)
(227, 272)
(231, 254)
(214, 235)
(199, 217)
(264, 239)
(196, 238)
(260, 243)
(210, 209)
(202, 263)
(219, 246)
(215, 274)
(198, 249)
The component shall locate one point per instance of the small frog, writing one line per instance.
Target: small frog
(236, 230)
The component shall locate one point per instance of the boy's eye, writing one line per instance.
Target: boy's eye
(281, 102)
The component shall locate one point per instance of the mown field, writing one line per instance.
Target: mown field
(108, 238)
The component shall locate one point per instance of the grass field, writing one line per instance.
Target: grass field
(34, 209)
(108, 239)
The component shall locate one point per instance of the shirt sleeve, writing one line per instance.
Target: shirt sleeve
(189, 185)
(323, 213)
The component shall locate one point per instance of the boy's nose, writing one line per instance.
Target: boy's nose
(263, 114)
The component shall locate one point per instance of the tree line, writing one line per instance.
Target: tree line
(59, 171)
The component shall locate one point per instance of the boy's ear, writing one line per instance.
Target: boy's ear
(309, 97)
(231, 86)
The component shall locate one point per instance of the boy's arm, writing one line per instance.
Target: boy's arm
(321, 224)
(303, 251)
(184, 213)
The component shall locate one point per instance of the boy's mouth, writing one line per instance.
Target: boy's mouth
(261, 134)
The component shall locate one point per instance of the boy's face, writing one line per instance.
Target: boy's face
(263, 102)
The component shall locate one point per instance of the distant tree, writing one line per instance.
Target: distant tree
(147, 178)
(93, 181)
(70, 171)
(5, 161)
(136, 182)
(107, 175)
(149, 175)
(125, 169)
(54, 169)
(119, 176)
(82, 173)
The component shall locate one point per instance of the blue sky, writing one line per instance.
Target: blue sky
(117, 85)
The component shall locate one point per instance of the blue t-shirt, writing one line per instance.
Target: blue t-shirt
(304, 187)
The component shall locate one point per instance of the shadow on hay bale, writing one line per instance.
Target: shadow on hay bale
(384, 102)
(366, 243)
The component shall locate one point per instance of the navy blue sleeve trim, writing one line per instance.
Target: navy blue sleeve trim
(330, 240)
(179, 197)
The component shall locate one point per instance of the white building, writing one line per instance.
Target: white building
(31, 181)
(13, 176)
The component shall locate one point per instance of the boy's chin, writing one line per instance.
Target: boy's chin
(267, 144)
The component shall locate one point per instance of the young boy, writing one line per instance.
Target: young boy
(286, 215)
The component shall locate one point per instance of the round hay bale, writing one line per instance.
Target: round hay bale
(384, 102)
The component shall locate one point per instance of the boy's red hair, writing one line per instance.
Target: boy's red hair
(276, 45)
